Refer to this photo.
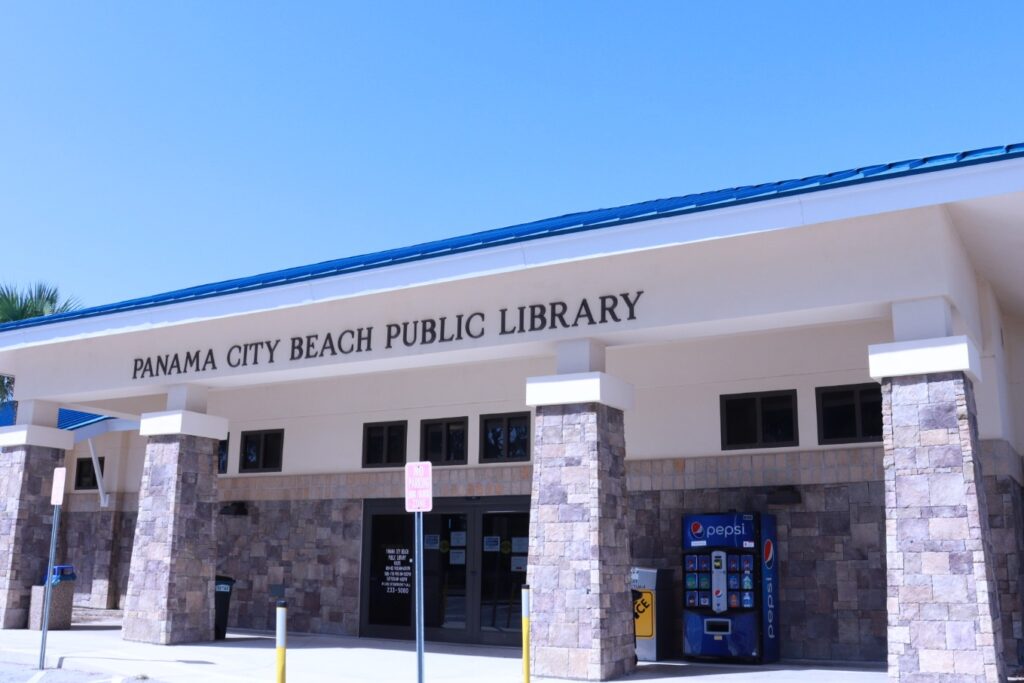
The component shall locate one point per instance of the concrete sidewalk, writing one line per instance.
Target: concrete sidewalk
(248, 656)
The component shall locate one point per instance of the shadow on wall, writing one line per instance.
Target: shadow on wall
(99, 544)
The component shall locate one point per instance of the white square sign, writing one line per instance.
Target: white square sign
(419, 487)
(57, 491)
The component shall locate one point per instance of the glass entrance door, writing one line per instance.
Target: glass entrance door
(444, 573)
(504, 541)
(474, 555)
(390, 584)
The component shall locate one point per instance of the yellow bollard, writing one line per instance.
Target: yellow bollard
(282, 621)
(526, 634)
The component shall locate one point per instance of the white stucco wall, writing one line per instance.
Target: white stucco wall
(1013, 336)
(842, 271)
(678, 386)
(793, 309)
(323, 420)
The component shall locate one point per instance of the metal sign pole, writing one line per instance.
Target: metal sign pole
(419, 498)
(418, 560)
(56, 498)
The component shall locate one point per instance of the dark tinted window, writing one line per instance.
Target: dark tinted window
(778, 419)
(261, 451)
(273, 446)
(85, 474)
(870, 404)
(222, 457)
(384, 444)
(763, 420)
(740, 415)
(849, 414)
(505, 437)
(443, 442)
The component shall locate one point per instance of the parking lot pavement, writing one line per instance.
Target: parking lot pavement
(23, 673)
(246, 656)
(663, 672)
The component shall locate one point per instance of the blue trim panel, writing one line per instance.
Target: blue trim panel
(74, 419)
(561, 225)
(66, 419)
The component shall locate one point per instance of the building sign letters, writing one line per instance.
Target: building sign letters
(554, 315)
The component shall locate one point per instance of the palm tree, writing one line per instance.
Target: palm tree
(33, 301)
(18, 304)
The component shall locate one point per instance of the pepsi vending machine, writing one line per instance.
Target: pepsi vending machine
(730, 587)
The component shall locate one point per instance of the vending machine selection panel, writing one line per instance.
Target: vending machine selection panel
(730, 587)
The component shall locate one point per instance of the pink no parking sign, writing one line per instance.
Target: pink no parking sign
(419, 487)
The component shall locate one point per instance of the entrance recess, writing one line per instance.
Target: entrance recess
(474, 555)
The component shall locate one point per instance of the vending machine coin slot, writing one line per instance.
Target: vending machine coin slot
(718, 627)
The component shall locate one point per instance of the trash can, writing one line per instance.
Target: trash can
(62, 573)
(221, 603)
(62, 594)
(652, 612)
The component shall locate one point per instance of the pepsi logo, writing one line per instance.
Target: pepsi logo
(769, 554)
(697, 530)
(718, 592)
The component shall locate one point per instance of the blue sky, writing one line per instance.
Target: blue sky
(151, 146)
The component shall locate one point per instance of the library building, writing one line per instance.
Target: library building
(842, 354)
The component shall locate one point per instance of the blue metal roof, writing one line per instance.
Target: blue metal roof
(66, 419)
(74, 419)
(569, 223)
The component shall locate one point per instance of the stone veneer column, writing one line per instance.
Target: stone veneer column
(170, 583)
(26, 520)
(582, 609)
(942, 601)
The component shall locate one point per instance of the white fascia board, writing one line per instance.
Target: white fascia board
(894, 194)
(183, 423)
(35, 435)
(924, 357)
(581, 387)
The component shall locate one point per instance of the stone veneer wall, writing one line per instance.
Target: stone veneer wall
(310, 547)
(125, 542)
(319, 565)
(1005, 514)
(87, 540)
(26, 523)
(486, 480)
(830, 546)
(1005, 498)
(660, 492)
(266, 546)
(92, 539)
